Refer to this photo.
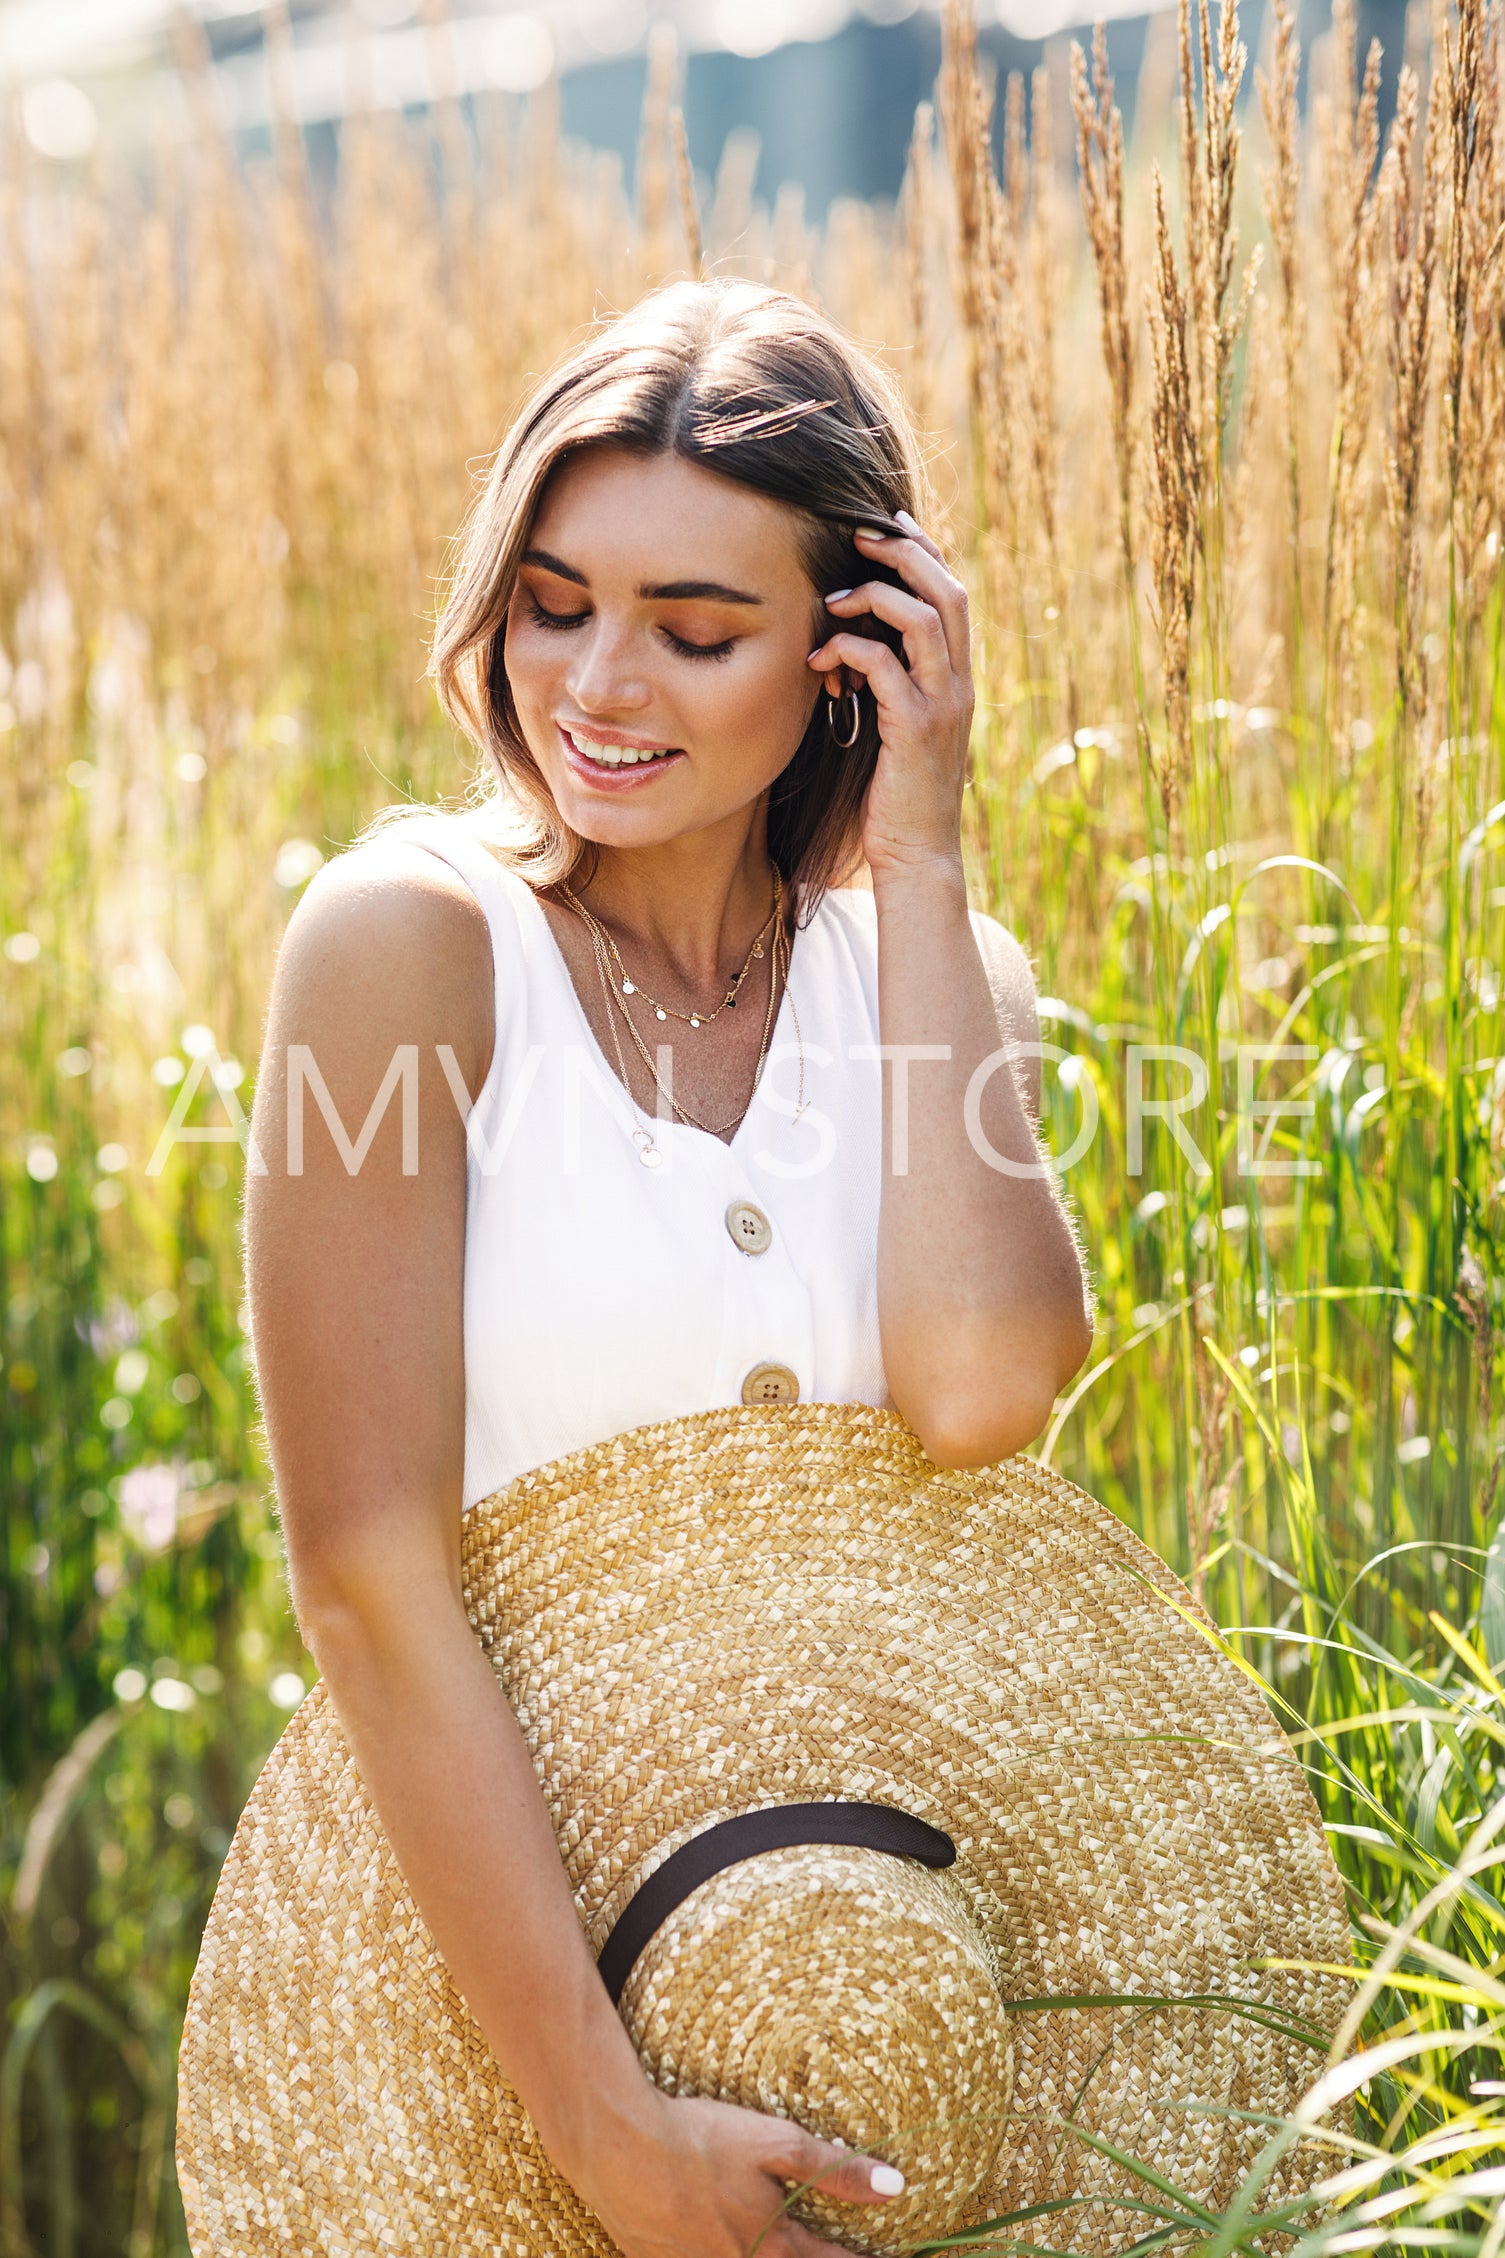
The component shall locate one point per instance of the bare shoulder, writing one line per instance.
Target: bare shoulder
(355, 1219)
(389, 890)
(1012, 980)
(388, 935)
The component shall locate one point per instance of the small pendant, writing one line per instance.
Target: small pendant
(661, 1013)
(648, 1152)
(694, 1022)
(757, 948)
(628, 988)
(732, 1001)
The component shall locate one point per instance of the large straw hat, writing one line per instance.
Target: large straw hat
(703, 1626)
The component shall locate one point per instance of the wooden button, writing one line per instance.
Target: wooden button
(749, 1227)
(771, 1383)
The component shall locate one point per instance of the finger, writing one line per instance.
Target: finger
(807, 2163)
(917, 533)
(922, 566)
(913, 531)
(920, 624)
(880, 668)
(926, 573)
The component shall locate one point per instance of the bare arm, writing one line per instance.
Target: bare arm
(983, 1305)
(355, 1284)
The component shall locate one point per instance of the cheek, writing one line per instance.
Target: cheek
(535, 665)
(773, 694)
(750, 724)
(525, 661)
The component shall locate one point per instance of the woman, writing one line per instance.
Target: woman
(619, 1187)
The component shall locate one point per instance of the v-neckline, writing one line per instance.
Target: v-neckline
(680, 1128)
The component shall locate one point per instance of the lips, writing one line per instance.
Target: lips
(613, 763)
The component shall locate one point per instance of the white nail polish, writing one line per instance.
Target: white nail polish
(886, 2181)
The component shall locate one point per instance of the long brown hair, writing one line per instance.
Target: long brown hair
(757, 387)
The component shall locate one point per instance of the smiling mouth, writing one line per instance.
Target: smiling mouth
(619, 756)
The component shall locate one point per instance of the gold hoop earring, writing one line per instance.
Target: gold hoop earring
(845, 743)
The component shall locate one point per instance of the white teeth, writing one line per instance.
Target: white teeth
(618, 756)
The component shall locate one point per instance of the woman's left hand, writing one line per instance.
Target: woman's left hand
(912, 812)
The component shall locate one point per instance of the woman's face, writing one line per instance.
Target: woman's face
(657, 644)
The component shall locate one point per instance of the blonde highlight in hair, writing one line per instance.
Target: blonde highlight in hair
(757, 387)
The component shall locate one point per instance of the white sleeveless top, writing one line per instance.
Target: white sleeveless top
(601, 1294)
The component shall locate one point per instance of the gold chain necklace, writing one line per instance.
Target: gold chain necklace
(648, 1152)
(631, 987)
(675, 1105)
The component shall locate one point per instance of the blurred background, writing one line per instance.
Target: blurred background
(828, 87)
(1211, 385)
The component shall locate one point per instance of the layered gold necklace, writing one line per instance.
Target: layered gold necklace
(631, 987)
(617, 984)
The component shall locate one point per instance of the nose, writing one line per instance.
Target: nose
(606, 674)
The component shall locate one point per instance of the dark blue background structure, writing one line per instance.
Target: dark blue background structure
(836, 117)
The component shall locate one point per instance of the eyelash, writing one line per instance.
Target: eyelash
(563, 621)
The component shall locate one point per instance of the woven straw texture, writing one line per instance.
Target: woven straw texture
(766, 1605)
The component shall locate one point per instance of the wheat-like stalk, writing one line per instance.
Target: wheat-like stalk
(1210, 140)
(1041, 375)
(1349, 136)
(1100, 175)
(1478, 449)
(1281, 184)
(1413, 209)
(1462, 56)
(987, 276)
(915, 203)
(1178, 485)
(1100, 182)
(689, 202)
(655, 154)
(963, 109)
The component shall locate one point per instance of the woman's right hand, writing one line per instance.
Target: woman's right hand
(703, 2179)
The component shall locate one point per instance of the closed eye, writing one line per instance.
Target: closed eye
(722, 650)
(543, 618)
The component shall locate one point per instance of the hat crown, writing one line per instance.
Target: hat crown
(851, 1992)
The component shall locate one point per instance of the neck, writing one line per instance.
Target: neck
(691, 905)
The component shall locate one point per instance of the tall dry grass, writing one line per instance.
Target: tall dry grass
(1234, 530)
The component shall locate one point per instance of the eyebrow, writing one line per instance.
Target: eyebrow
(664, 592)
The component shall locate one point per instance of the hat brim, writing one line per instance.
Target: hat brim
(763, 1605)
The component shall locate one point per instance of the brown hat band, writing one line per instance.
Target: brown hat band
(783, 1826)
(745, 1836)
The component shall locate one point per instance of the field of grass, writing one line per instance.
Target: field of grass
(1236, 542)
